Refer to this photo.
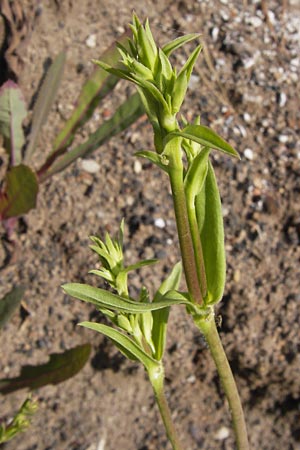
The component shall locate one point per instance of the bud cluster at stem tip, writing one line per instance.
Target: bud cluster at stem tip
(162, 90)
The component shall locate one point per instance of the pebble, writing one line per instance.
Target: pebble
(247, 117)
(191, 379)
(248, 153)
(254, 21)
(282, 98)
(222, 434)
(283, 138)
(90, 166)
(137, 166)
(159, 223)
(215, 34)
(91, 41)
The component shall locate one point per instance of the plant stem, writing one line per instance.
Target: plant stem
(208, 327)
(182, 221)
(157, 381)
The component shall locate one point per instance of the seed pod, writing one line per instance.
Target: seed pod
(210, 223)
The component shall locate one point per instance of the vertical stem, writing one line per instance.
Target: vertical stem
(157, 380)
(208, 327)
(182, 221)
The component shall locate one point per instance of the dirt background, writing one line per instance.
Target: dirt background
(251, 97)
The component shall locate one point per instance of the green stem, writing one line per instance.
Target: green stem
(208, 327)
(182, 221)
(157, 380)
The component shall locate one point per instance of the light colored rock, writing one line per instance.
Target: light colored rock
(222, 434)
(248, 153)
(91, 41)
(159, 223)
(89, 166)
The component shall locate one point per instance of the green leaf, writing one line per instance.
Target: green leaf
(154, 158)
(124, 116)
(139, 265)
(44, 102)
(9, 303)
(12, 113)
(204, 136)
(188, 66)
(60, 367)
(170, 47)
(127, 346)
(210, 223)
(20, 192)
(160, 318)
(195, 176)
(105, 299)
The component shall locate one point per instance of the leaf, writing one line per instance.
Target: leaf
(60, 367)
(20, 192)
(95, 89)
(12, 113)
(44, 102)
(139, 265)
(160, 318)
(210, 223)
(195, 176)
(204, 136)
(105, 299)
(154, 158)
(9, 303)
(124, 116)
(170, 47)
(127, 346)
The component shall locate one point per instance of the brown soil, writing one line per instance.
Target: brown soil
(251, 100)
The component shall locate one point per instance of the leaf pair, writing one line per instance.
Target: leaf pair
(154, 329)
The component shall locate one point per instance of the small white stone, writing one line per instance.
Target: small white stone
(222, 434)
(90, 166)
(255, 21)
(191, 379)
(283, 138)
(159, 223)
(91, 41)
(248, 153)
(282, 99)
(170, 241)
(137, 167)
(215, 34)
(247, 117)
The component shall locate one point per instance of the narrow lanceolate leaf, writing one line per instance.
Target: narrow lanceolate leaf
(154, 158)
(60, 367)
(170, 47)
(160, 318)
(45, 100)
(105, 299)
(124, 116)
(127, 346)
(205, 136)
(195, 176)
(12, 113)
(19, 193)
(9, 303)
(139, 265)
(210, 222)
(188, 66)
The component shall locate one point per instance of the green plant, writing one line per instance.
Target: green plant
(20, 422)
(140, 324)
(19, 189)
